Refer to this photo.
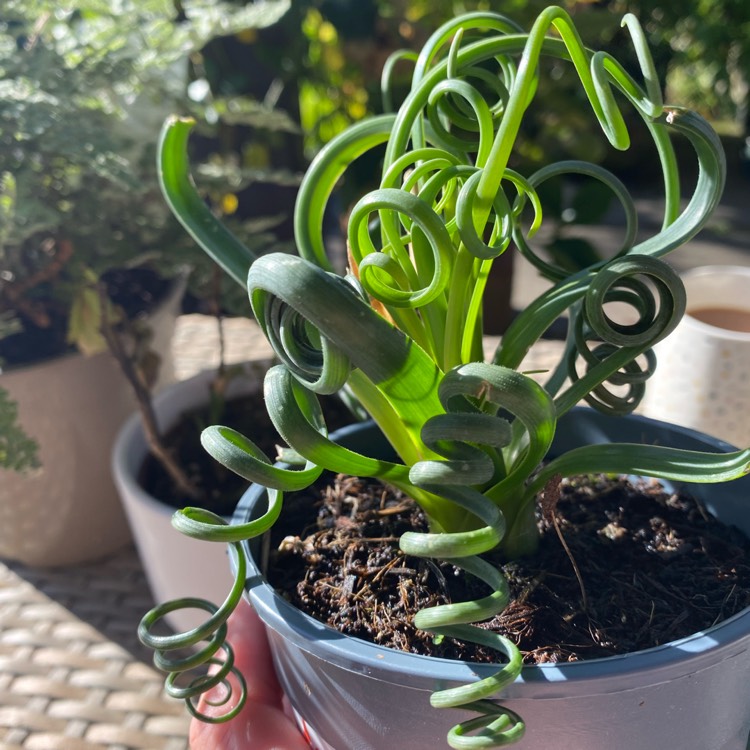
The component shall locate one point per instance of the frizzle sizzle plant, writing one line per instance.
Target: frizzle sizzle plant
(403, 331)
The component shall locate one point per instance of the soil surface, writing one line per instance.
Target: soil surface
(653, 566)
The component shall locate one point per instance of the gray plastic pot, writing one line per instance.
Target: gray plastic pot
(689, 694)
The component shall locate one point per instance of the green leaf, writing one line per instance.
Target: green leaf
(18, 451)
(240, 455)
(88, 312)
(188, 206)
(657, 461)
(210, 19)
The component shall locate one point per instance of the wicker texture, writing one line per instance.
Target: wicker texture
(72, 674)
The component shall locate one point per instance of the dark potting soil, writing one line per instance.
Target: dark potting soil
(654, 567)
(220, 487)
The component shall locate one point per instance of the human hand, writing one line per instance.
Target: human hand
(262, 723)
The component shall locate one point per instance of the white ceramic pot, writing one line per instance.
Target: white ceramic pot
(68, 511)
(702, 377)
(175, 565)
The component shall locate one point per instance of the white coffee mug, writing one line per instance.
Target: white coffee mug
(702, 377)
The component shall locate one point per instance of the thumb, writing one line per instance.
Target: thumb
(261, 724)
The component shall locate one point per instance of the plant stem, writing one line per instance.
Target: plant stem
(142, 394)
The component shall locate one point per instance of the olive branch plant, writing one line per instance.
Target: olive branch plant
(402, 331)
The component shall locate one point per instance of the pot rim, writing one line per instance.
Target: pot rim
(691, 654)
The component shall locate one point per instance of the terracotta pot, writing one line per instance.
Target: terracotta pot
(352, 695)
(68, 510)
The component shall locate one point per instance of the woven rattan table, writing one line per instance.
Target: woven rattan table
(73, 675)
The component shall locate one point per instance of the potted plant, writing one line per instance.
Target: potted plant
(85, 243)
(65, 227)
(475, 444)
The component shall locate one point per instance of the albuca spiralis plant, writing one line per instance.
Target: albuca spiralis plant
(402, 331)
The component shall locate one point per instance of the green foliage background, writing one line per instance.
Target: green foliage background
(85, 84)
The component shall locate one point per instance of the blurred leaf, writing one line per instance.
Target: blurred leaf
(246, 111)
(8, 199)
(210, 19)
(223, 175)
(87, 317)
(84, 89)
(18, 451)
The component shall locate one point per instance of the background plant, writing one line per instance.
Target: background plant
(404, 330)
(84, 87)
